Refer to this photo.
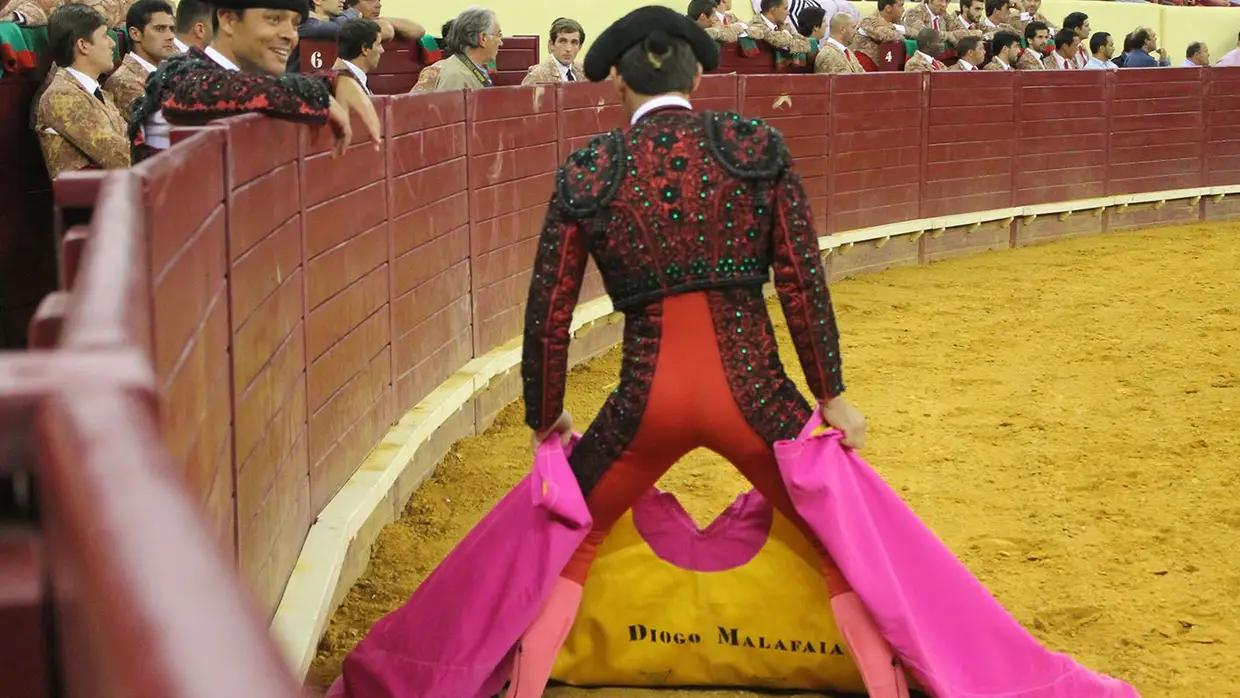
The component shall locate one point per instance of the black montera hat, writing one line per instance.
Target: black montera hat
(300, 6)
(652, 21)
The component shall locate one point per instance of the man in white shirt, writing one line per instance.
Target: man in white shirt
(359, 46)
(563, 44)
(1101, 49)
(193, 27)
(1067, 46)
(1198, 56)
(1006, 47)
(972, 51)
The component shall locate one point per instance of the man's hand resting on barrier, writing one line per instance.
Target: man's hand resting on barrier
(351, 99)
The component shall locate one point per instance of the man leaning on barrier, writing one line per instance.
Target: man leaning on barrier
(243, 71)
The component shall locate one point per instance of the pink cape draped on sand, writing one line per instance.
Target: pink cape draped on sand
(455, 636)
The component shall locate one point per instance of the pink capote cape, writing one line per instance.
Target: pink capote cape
(455, 636)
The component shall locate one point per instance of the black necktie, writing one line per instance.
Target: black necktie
(569, 76)
(99, 94)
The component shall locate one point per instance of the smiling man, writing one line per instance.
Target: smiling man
(243, 71)
(562, 48)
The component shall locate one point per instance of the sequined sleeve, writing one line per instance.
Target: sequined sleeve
(555, 284)
(801, 283)
(206, 93)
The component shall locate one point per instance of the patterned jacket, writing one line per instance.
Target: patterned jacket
(684, 202)
(191, 89)
(76, 130)
(549, 72)
(920, 62)
(873, 31)
(784, 38)
(994, 64)
(832, 60)
(127, 83)
(35, 12)
(429, 77)
(989, 30)
(1024, 19)
(1029, 60)
(951, 28)
(726, 30)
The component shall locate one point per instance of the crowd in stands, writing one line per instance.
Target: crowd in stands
(202, 61)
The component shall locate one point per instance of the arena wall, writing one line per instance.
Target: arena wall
(311, 335)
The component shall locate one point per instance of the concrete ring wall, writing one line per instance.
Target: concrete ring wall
(321, 331)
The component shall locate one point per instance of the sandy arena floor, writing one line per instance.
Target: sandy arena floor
(1066, 417)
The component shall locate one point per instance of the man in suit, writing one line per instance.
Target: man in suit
(996, 19)
(1006, 47)
(476, 37)
(772, 26)
(926, 57)
(834, 56)
(563, 45)
(1067, 45)
(1078, 23)
(150, 28)
(78, 125)
(1145, 42)
(706, 14)
(972, 52)
(882, 27)
(934, 15)
(359, 47)
(1037, 35)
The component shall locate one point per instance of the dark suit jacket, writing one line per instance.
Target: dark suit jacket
(1140, 59)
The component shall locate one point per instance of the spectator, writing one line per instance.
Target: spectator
(772, 26)
(1145, 43)
(879, 28)
(149, 25)
(933, 14)
(705, 14)
(1198, 56)
(1232, 57)
(35, 13)
(1130, 45)
(1032, 12)
(391, 26)
(995, 20)
(972, 12)
(834, 56)
(243, 71)
(1067, 46)
(564, 44)
(193, 25)
(359, 49)
(429, 77)
(972, 52)
(723, 12)
(1078, 23)
(812, 24)
(475, 37)
(78, 125)
(1037, 35)
(926, 57)
(1006, 47)
(1101, 48)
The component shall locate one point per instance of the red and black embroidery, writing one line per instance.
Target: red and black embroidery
(192, 89)
(682, 202)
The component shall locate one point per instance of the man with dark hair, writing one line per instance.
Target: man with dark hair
(1078, 23)
(882, 27)
(996, 19)
(150, 28)
(926, 57)
(1067, 45)
(972, 52)
(1101, 49)
(77, 122)
(972, 12)
(647, 204)
(933, 14)
(1006, 51)
(1197, 56)
(359, 48)
(771, 25)
(193, 26)
(243, 71)
(563, 44)
(1037, 36)
(834, 56)
(812, 24)
(705, 14)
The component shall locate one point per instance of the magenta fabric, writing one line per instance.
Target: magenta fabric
(455, 636)
(731, 540)
(939, 619)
